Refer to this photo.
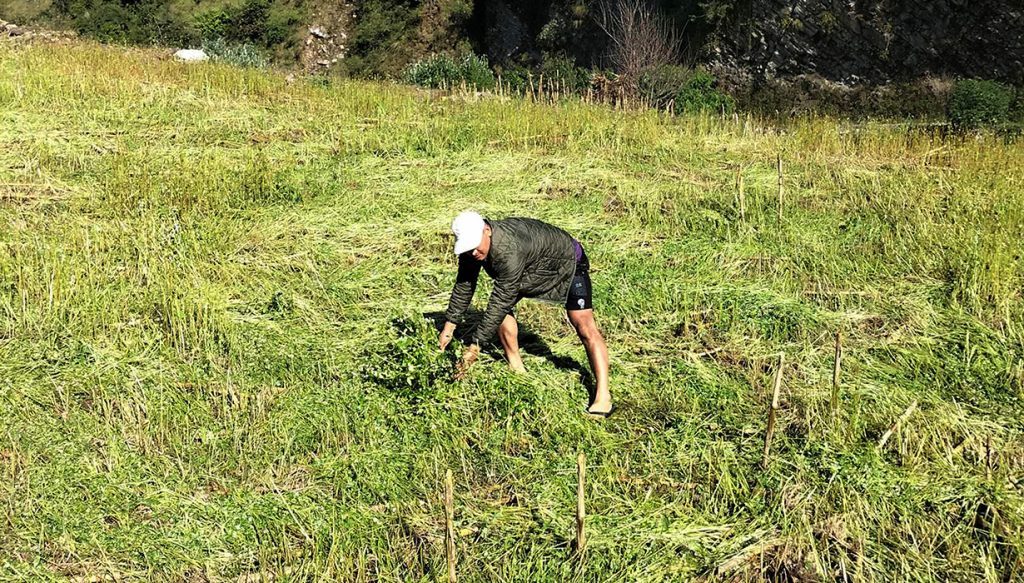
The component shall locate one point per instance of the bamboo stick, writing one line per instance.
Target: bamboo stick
(773, 409)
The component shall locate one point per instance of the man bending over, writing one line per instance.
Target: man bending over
(526, 258)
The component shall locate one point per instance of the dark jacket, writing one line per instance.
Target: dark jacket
(528, 259)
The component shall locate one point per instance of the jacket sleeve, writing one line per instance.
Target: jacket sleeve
(504, 296)
(465, 287)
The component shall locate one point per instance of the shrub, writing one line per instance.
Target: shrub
(515, 77)
(564, 70)
(242, 55)
(379, 44)
(408, 363)
(212, 24)
(976, 103)
(661, 84)
(142, 21)
(444, 71)
(700, 94)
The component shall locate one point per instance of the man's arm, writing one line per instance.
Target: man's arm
(462, 293)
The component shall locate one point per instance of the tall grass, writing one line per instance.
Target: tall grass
(198, 262)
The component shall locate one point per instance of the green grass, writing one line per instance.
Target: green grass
(197, 264)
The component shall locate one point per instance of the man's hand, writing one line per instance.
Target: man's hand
(468, 358)
(446, 335)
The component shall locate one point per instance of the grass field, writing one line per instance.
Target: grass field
(215, 365)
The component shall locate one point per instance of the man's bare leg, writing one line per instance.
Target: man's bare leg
(508, 332)
(597, 352)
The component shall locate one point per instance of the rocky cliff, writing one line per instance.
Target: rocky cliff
(860, 41)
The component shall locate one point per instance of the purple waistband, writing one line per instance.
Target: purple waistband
(579, 249)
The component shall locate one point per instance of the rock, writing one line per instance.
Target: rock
(16, 31)
(323, 63)
(191, 55)
(318, 32)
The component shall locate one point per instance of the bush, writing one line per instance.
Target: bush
(699, 94)
(691, 90)
(564, 70)
(515, 77)
(242, 55)
(409, 364)
(140, 22)
(379, 44)
(661, 84)
(977, 103)
(256, 22)
(259, 22)
(443, 71)
(213, 24)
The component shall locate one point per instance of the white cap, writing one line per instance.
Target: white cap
(469, 231)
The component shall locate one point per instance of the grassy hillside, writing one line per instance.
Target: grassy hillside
(214, 364)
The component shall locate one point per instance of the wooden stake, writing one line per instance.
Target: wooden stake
(988, 457)
(739, 191)
(779, 163)
(902, 419)
(581, 512)
(449, 517)
(835, 374)
(772, 410)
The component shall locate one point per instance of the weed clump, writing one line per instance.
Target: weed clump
(701, 94)
(241, 55)
(408, 363)
(978, 103)
(443, 71)
(687, 90)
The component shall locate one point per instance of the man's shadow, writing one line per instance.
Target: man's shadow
(529, 342)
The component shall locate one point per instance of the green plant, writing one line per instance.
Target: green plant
(828, 21)
(662, 84)
(444, 71)
(242, 55)
(976, 103)
(515, 77)
(717, 12)
(140, 22)
(379, 45)
(213, 24)
(700, 94)
(564, 71)
(407, 363)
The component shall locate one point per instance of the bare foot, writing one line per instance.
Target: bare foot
(603, 407)
(517, 367)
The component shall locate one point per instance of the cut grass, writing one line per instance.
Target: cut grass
(197, 262)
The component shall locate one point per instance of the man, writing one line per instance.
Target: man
(527, 259)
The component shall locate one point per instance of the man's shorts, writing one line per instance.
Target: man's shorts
(579, 290)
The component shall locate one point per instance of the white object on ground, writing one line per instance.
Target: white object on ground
(191, 55)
